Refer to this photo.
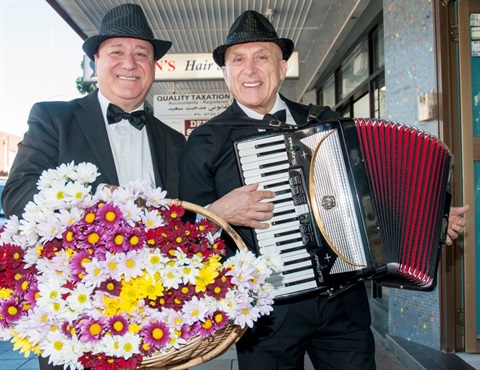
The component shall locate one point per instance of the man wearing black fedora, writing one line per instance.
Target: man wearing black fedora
(335, 333)
(109, 127)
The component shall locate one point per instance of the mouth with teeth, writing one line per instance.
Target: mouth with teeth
(127, 78)
(252, 84)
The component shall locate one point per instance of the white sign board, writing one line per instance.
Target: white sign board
(185, 112)
(188, 67)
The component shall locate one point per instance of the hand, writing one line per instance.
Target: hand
(245, 206)
(456, 223)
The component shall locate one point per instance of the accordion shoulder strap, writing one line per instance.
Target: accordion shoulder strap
(242, 122)
(318, 113)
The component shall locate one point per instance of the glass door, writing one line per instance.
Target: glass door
(469, 87)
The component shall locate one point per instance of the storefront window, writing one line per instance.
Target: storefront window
(328, 92)
(355, 70)
(378, 49)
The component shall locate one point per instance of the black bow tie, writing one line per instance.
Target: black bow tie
(116, 114)
(277, 118)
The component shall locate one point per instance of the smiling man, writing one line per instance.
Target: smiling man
(334, 332)
(109, 127)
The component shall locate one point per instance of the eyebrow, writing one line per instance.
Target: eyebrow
(141, 46)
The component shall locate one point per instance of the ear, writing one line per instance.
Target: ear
(224, 71)
(283, 69)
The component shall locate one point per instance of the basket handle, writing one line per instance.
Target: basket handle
(212, 217)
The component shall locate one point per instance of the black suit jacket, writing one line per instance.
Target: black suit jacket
(208, 169)
(62, 132)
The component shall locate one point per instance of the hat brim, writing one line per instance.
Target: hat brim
(286, 45)
(91, 45)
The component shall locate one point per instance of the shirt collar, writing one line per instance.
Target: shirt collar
(104, 102)
(279, 105)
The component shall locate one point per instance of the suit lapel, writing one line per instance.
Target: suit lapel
(298, 112)
(156, 140)
(91, 122)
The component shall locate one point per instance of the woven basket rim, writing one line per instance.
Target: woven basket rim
(223, 339)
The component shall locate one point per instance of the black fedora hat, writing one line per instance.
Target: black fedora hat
(127, 20)
(252, 26)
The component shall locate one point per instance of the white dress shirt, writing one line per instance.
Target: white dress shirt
(130, 148)
(279, 105)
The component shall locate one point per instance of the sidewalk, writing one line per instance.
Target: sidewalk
(391, 354)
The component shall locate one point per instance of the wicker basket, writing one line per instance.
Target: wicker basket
(198, 350)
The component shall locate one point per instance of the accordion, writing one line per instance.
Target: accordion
(355, 199)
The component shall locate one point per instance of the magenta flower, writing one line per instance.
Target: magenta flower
(207, 328)
(136, 239)
(91, 237)
(109, 215)
(116, 239)
(11, 310)
(92, 330)
(156, 334)
(77, 264)
(118, 325)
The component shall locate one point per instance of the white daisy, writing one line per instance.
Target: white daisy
(85, 173)
(96, 273)
(155, 197)
(194, 310)
(113, 263)
(50, 229)
(62, 350)
(121, 346)
(79, 298)
(131, 264)
(171, 276)
(154, 262)
(151, 219)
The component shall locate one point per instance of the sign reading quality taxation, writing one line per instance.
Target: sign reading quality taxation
(185, 112)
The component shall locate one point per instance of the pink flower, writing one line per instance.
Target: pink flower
(156, 334)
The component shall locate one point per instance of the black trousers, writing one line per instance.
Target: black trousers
(315, 326)
(44, 365)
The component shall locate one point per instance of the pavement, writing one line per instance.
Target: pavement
(10, 360)
(391, 354)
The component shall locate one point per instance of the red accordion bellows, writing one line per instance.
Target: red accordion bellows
(409, 171)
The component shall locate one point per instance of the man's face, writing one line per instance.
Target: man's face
(125, 70)
(253, 73)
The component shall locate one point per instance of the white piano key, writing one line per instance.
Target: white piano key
(272, 244)
(258, 172)
(250, 155)
(296, 288)
(272, 231)
(258, 178)
(260, 141)
(267, 160)
(305, 265)
(264, 243)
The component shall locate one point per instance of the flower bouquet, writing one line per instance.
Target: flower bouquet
(117, 280)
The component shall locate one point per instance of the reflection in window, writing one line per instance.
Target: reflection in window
(361, 108)
(378, 49)
(380, 93)
(328, 92)
(355, 70)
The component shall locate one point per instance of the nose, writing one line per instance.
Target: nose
(249, 67)
(129, 62)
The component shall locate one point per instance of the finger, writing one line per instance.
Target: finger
(259, 225)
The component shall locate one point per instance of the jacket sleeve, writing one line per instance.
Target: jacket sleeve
(37, 151)
(197, 174)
